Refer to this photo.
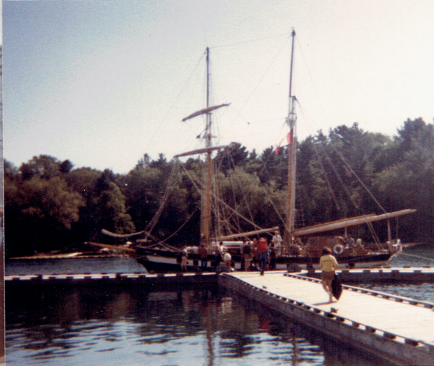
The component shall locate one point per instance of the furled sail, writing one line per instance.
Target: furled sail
(333, 225)
(240, 235)
(200, 151)
(204, 111)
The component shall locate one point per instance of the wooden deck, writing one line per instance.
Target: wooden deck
(396, 328)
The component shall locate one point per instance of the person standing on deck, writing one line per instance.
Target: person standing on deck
(227, 258)
(217, 257)
(255, 250)
(247, 255)
(262, 253)
(272, 255)
(328, 265)
(184, 259)
(277, 241)
(203, 253)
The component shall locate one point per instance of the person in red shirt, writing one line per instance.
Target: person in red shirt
(262, 250)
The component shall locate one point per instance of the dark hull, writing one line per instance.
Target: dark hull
(165, 261)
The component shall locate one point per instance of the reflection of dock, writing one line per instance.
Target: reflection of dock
(394, 328)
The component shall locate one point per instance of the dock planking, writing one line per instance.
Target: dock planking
(388, 274)
(395, 328)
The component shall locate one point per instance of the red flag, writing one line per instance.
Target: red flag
(288, 141)
(276, 151)
(289, 137)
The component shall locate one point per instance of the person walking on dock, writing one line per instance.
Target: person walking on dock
(328, 265)
(263, 254)
(203, 253)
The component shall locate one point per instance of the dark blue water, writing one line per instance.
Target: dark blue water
(178, 326)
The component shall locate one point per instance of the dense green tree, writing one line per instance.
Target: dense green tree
(409, 183)
(39, 214)
(50, 205)
(143, 190)
(234, 155)
(111, 211)
(43, 166)
(274, 167)
(84, 181)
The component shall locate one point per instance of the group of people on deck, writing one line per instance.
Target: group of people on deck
(260, 252)
(255, 251)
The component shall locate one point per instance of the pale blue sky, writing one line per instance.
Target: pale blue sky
(101, 83)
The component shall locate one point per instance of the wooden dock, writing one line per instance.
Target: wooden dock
(384, 274)
(111, 279)
(395, 328)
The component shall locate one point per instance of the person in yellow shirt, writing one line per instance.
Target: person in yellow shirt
(328, 265)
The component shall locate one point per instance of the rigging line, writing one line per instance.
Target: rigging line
(311, 78)
(237, 180)
(266, 190)
(185, 223)
(196, 185)
(262, 77)
(330, 161)
(231, 179)
(257, 121)
(170, 184)
(251, 41)
(235, 177)
(303, 112)
(325, 116)
(374, 234)
(173, 104)
(357, 177)
(329, 186)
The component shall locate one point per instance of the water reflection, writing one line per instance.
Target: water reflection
(134, 326)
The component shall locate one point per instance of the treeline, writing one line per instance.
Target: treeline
(49, 205)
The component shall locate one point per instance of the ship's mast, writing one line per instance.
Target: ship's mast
(205, 216)
(291, 121)
(206, 197)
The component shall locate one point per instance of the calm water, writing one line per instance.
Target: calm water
(182, 326)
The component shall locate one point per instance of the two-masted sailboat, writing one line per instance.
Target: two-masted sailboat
(301, 247)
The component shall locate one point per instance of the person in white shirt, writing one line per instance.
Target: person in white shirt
(277, 241)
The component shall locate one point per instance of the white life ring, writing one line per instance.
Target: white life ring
(338, 249)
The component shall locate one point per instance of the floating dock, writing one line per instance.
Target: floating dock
(111, 279)
(394, 328)
(385, 274)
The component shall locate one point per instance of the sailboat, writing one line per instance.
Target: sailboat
(301, 247)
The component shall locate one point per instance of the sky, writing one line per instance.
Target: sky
(101, 83)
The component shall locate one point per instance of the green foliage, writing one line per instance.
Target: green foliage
(38, 211)
(143, 189)
(111, 210)
(409, 182)
(50, 205)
